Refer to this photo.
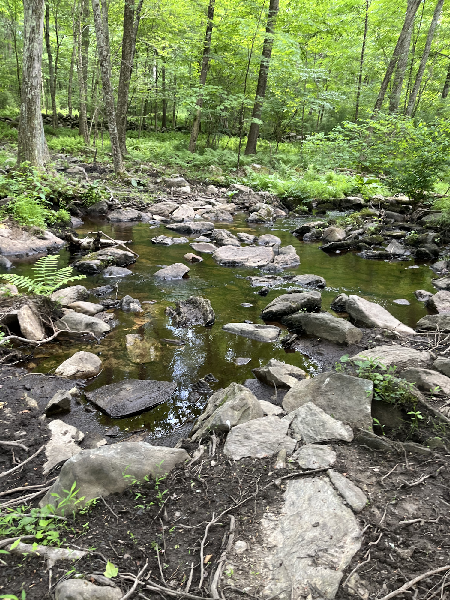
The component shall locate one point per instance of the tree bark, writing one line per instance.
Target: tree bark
(446, 88)
(51, 70)
(405, 34)
(262, 78)
(84, 41)
(164, 98)
(361, 62)
(108, 98)
(424, 59)
(73, 59)
(82, 112)
(203, 74)
(131, 18)
(32, 146)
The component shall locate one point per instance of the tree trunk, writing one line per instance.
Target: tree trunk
(424, 59)
(164, 98)
(108, 97)
(262, 78)
(405, 34)
(73, 59)
(84, 42)
(361, 64)
(50, 65)
(446, 88)
(400, 70)
(32, 146)
(203, 74)
(131, 18)
(82, 112)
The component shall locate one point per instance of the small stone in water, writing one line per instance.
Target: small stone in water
(246, 304)
(249, 322)
(242, 361)
(401, 301)
(414, 267)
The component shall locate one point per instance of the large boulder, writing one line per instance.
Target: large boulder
(226, 408)
(324, 326)
(30, 323)
(442, 364)
(333, 234)
(71, 294)
(183, 213)
(259, 438)
(263, 214)
(313, 425)
(110, 469)
(192, 227)
(442, 284)
(287, 258)
(434, 323)
(260, 333)
(18, 243)
(163, 209)
(396, 356)
(223, 237)
(440, 302)
(279, 374)
(269, 240)
(346, 398)
(175, 271)
(124, 215)
(193, 311)
(249, 256)
(288, 304)
(427, 380)
(80, 365)
(87, 308)
(131, 396)
(80, 589)
(98, 261)
(74, 322)
(370, 314)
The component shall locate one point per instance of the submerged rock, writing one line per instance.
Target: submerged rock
(131, 396)
(193, 311)
(261, 333)
(346, 398)
(100, 472)
(141, 350)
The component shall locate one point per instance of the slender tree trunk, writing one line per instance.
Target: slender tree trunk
(131, 18)
(32, 146)
(424, 59)
(262, 79)
(361, 64)
(174, 105)
(400, 70)
(73, 58)
(405, 34)
(101, 28)
(164, 98)
(82, 112)
(203, 74)
(50, 65)
(84, 42)
(446, 88)
(413, 57)
(14, 36)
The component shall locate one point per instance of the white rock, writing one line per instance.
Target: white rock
(63, 444)
(81, 364)
(259, 438)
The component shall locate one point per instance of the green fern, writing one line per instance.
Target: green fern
(47, 277)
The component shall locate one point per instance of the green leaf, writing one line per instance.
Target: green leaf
(111, 570)
(134, 183)
(15, 544)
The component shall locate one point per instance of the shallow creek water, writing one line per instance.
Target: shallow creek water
(212, 350)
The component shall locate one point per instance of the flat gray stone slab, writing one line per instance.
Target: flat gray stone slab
(307, 547)
(204, 247)
(312, 425)
(395, 355)
(260, 333)
(249, 256)
(315, 456)
(346, 398)
(351, 493)
(324, 326)
(172, 272)
(371, 314)
(131, 396)
(259, 438)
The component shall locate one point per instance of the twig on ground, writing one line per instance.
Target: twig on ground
(17, 467)
(376, 541)
(24, 488)
(296, 474)
(418, 482)
(409, 584)
(37, 516)
(109, 508)
(391, 471)
(135, 584)
(5, 443)
(159, 564)
(156, 587)
(189, 581)
(8, 541)
(218, 573)
(23, 499)
(356, 569)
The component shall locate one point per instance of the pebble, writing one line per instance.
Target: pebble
(246, 304)
(242, 361)
(240, 546)
(401, 301)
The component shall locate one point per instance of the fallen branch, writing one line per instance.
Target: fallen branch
(409, 584)
(17, 467)
(116, 242)
(218, 573)
(23, 499)
(135, 584)
(9, 541)
(17, 338)
(51, 554)
(25, 488)
(4, 443)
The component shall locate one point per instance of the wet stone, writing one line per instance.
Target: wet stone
(131, 396)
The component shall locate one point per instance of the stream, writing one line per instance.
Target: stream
(212, 350)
